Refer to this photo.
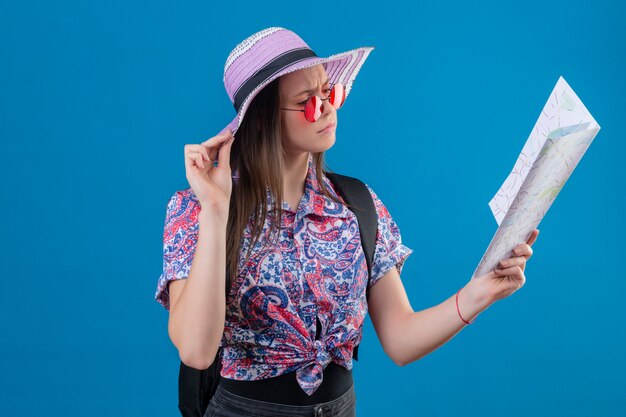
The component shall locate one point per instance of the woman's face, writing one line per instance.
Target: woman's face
(298, 134)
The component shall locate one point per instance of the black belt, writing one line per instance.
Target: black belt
(284, 389)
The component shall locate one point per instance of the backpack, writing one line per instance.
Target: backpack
(197, 386)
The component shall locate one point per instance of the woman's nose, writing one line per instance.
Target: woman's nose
(327, 107)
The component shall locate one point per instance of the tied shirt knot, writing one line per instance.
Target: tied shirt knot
(310, 375)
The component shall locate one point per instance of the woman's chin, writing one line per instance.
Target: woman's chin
(326, 141)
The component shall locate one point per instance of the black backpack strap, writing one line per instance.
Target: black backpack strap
(197, 386)
(360, 202)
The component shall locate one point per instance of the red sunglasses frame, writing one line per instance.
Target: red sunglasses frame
(311, 107)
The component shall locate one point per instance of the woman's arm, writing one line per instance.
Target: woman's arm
(197, 303)
(408, 335)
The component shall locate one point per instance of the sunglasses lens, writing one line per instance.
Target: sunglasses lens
(337, 95)
(313, 109)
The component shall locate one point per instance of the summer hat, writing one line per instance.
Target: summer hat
(266, 55)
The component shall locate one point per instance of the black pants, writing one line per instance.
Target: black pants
(227, 404)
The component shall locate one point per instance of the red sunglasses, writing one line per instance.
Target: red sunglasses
(313, 106)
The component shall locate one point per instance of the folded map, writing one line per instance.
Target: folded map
(560, 138)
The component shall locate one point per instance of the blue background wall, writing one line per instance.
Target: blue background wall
(98, 100)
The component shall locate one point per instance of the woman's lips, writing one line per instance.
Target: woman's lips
(328, 128)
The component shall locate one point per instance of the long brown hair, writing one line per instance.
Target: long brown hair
(257, 155)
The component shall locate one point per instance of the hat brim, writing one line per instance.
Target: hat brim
(341, 68)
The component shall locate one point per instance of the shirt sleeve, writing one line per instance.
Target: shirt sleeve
(180, 236)
(389, 251)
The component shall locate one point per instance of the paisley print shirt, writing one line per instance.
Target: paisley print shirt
(315, 269)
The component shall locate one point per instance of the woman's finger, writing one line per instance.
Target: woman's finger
(213, 152)
(533, 236)
(515, 271)
(523, 249)
(516, 261)
(198, 159)
(188, 160)
(224, 154)
(199, 148)
(217, 139)
(212, 146)
(205, 153)
(193, 153)
(195, 158)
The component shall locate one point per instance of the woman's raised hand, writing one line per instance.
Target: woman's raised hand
(212, 185)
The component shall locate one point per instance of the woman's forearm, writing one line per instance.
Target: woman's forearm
(196, 322)
(424, 331)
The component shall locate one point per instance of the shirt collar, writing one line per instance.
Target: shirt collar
(314, 201)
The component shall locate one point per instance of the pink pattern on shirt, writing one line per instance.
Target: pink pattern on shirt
(317, 267)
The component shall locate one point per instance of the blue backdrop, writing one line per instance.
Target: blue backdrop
(99, 98)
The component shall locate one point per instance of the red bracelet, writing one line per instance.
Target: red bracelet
(459, 311)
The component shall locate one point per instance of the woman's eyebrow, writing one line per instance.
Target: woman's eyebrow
(311, 89)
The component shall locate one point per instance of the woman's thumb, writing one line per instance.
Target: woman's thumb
(224, 156)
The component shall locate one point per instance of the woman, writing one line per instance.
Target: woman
(292, 313)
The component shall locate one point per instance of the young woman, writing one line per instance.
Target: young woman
(263, 258)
